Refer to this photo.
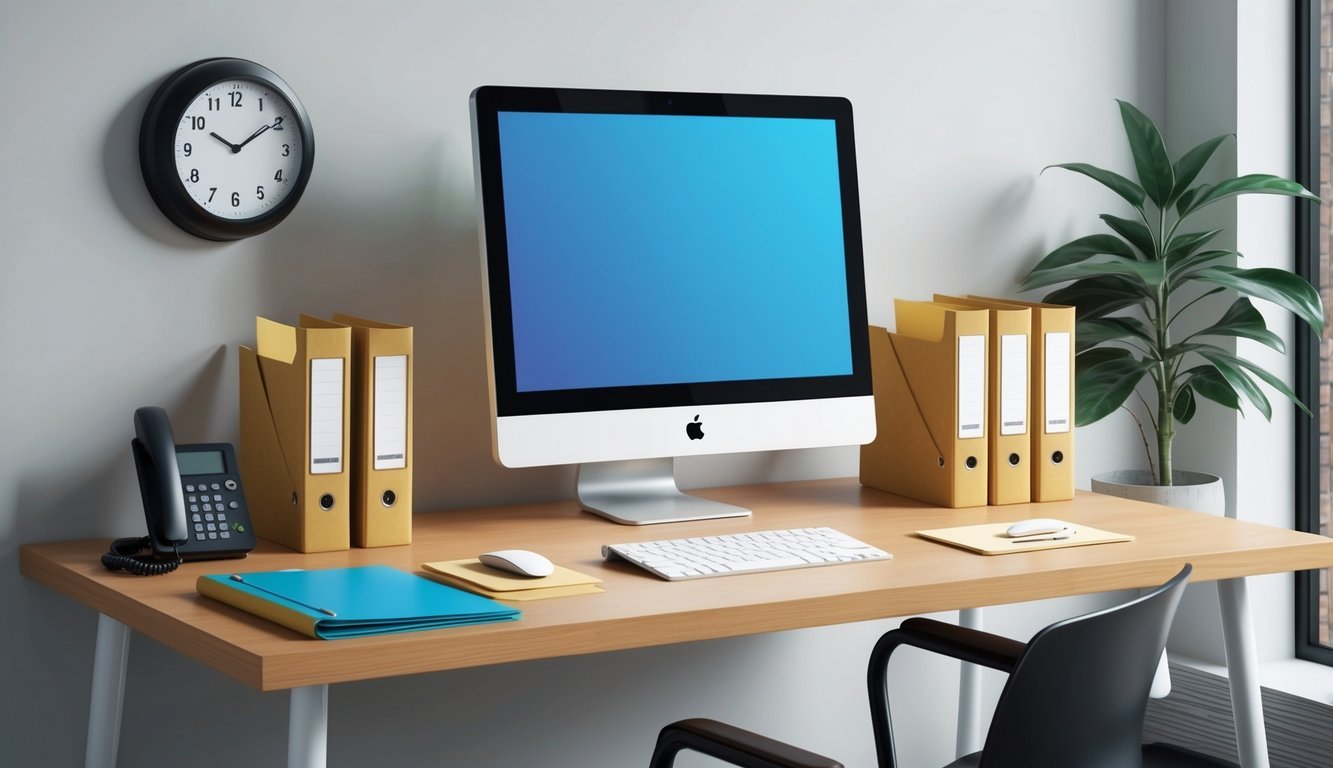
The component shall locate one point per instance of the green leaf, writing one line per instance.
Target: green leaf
(1150, 158)
(1184, 406)
(1115, 182)
(1193, 161)
(1134, 232)
(1226, 364)
(1183, 245)
(1284, 289)
(1207, 382)
(1090, 333)
(1254, 183)
(1244, 321)
(1098, 296)
(1082, 249)
(1104, 386)
(1188, 197)
(1274, 382)
(1148, 274)
(1179, 268)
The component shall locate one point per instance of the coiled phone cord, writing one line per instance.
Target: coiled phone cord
(127, 555)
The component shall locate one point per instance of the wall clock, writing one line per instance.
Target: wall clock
(226, 148)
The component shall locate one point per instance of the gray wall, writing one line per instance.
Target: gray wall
(105, 306)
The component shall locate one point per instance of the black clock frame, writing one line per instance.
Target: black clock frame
(157, 156)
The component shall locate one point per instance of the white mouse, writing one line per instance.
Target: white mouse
(1038, 526)
(519, 561)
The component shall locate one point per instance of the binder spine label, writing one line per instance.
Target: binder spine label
(1057, 383)
(390, 416)
(971, 386)
(326, 415)
(1013, 384)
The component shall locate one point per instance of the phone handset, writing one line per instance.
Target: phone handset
(163, 501)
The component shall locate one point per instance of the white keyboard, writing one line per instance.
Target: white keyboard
(696, 558)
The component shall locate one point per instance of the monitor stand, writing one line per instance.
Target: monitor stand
(642, 492)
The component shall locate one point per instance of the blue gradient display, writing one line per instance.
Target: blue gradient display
(665, 249)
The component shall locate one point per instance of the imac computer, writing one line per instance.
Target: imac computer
(668, 274)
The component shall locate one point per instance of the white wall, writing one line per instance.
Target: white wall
(105, 306)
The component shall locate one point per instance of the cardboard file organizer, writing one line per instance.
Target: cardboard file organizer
(294, 435)
(930, 402)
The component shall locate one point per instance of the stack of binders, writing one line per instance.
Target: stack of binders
(312, 483)
(957, 387)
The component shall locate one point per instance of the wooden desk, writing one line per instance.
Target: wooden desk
(640, 610)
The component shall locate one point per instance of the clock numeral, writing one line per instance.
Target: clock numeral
(278, 176)
(261, 103)
(277, 123)
(235, 199)
(259, 192)
(194, 175)
(212, 191)
(286, 149)
(188, 149)
(235, 98)
(197, 123)
(214, 104)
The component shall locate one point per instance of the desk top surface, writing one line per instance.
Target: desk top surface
(639, 609)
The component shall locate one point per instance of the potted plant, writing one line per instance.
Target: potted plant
(1137, 289)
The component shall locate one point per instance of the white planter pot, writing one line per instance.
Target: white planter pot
(1198, 491)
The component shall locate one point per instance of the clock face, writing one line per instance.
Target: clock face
(238, 149)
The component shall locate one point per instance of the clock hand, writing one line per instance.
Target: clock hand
(253, 136)
(233, 147)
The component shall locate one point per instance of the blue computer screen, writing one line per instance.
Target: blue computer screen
(668, 249)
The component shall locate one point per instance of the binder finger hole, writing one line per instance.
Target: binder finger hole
(971, 462)
(388, 498)
(1057, 457)
(941, 462)
(326, 502)
(1013, 459)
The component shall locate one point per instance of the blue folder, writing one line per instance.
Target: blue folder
(352, 602)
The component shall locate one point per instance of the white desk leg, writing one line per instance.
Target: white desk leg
(1243, 670)
(109, 661)
(308, 727)
(969, 693)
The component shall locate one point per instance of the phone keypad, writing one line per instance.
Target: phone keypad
(208, 518)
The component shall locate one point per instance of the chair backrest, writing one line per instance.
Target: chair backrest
(1077, 696)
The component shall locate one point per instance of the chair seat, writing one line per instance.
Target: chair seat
(969, 761)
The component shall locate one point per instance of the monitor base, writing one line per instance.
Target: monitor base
(644, 492)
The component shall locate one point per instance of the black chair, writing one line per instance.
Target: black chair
(1075, 697)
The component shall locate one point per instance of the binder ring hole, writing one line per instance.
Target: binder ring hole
(971, 462)
(326, 502)
(388, 498)
(1013, 459)
(1057, 457)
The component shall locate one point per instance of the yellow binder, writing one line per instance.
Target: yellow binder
(381, 512)
(294, 436)
(1052, 399)
(1010, 472)
(930, 403)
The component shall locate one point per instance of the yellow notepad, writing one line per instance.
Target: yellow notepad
(990, 538)
(471, 575)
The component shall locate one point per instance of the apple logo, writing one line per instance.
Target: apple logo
(694, 429)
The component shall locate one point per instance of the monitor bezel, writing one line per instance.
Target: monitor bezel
(489, 101)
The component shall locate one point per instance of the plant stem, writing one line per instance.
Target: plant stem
(1166, 425)
(1144, 435)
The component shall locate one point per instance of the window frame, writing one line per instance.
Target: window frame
(1307, 77)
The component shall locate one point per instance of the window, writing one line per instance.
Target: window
(1314, 68)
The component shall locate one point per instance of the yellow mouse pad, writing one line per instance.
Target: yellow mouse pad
(471, 575)
(990, 538)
